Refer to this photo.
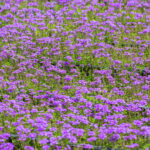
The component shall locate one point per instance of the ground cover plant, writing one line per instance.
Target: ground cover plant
(74, 74)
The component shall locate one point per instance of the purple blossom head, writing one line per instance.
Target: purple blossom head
(29, 148)
(102, 136)
(134, 145)
(6, 146)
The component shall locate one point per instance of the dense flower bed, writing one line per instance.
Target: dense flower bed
(74, 74)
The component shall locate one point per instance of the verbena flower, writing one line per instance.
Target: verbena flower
(91, 139)
(6, 146)
(102, 136)
(29, 148)
(132, 145)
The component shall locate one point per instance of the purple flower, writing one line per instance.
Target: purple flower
(29, 148)
(117, 62)
(132, 145)
(53, 141)
(5, 136)
(67, 87)
(35, 81)
(91, 139)
(79, 132)
(33, 4)
(131, 137)
(102, 136)
(146, 87)
(82, 82)
(32, 136)
(43, 141)
(68, 147)
(88, 146)
(69, 58)
(68, 78)
(73, 139)
(45, 147)
(34, 110)
(138, 123)
(7, 146)
(115, 137)
(91, 133)
(1, 128)
(22, 137)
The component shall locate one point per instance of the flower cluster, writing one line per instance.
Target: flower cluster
(74, 74)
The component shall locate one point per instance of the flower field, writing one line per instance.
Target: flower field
(74, 74)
